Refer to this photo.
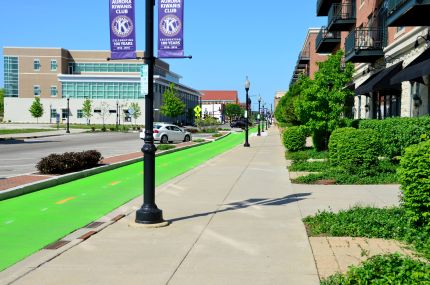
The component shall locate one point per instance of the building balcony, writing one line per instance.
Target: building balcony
(304, 57)
(408, 13)
(365, 45)
(323, 6)
(327, 41)
(341, 17)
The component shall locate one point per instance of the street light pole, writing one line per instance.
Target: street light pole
(117, 114)
(149, 213)
(68, 115)
(259, 117)
(247, 85)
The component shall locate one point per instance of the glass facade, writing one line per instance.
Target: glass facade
(77, 68)
(101, 90)
(11, 76)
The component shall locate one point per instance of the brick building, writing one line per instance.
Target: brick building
(214, 101)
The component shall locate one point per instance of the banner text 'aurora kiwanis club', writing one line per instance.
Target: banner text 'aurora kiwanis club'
(122, 29)
(170, 28)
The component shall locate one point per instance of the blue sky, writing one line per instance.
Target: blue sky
(228, 39)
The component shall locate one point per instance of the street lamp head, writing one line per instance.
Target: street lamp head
(247, 84)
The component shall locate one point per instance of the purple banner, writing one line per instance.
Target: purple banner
(170, 28)
(122, 29)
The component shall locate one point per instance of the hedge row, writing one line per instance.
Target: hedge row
(396, 134)
(69, 162)
(354, 151)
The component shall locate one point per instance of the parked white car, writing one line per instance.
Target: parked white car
(165, 133)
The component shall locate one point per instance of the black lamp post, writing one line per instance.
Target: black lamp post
(247, 85)
(117, 114)
(149, 213)
(68, 115)
(262, 118)
(259, 117)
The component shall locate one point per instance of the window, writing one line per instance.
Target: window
(36, 90)
(399, 29)
(80, 114)
(54, 65)
(54, 91)
(53, 113)
(11, 76)
(36, 65)
(64, 113)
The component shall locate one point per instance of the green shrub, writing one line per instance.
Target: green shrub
(69, 162)
(199, 140)
(294, 138)
(414, 175)
(396, 134)
(306, 154)
(162, 147)
(355, 151)
(333, 144)
(384, 269)
(218, 135)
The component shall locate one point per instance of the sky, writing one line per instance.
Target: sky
(228, 39)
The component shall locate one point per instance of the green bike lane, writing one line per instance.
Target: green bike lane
(30, 222)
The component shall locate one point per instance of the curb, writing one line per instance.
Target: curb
(55, 181)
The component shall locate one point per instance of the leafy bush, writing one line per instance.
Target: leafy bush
(384, 269)
(162, 147)
(333, 144)
(355, 151)
(69, 162)
(414, 174)
(218, 135)
(199, 140)
(396, 134)
(294, 138)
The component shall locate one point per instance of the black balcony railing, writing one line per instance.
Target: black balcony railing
(327, 41)
(408, 12)
(364, 44)
(304, 56)
(341, 17)
(323, 6)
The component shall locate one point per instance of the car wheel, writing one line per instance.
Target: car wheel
(187, 138)
(164, 139)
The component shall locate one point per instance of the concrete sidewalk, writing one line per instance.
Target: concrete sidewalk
(235, 220)
(50, 133)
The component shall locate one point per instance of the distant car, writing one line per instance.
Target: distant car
(165, 133)
(240, 124)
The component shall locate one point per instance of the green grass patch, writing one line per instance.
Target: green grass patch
(384, 269)
(385, 173)
(303, 165)
(162, 147)
(306, 154)
(218, 135)
(369, 222)
(199, 140)
(23, 131)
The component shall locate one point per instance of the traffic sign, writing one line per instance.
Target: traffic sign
(198, 111)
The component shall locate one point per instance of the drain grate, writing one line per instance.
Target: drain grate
(57, 244)
(87, 235)
(94, 225)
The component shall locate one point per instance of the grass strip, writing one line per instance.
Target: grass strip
(23, 131)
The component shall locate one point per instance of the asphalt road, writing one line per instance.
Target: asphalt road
(20, 156)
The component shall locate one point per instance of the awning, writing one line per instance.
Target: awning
(380, 81)
(415, 70)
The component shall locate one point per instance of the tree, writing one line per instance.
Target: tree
(232, 110)
(1, 102)
(87, 110)
(172, 105)
(136, 111)
(104, 113)
(36, 109)
(322, 101)
(285, 112)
